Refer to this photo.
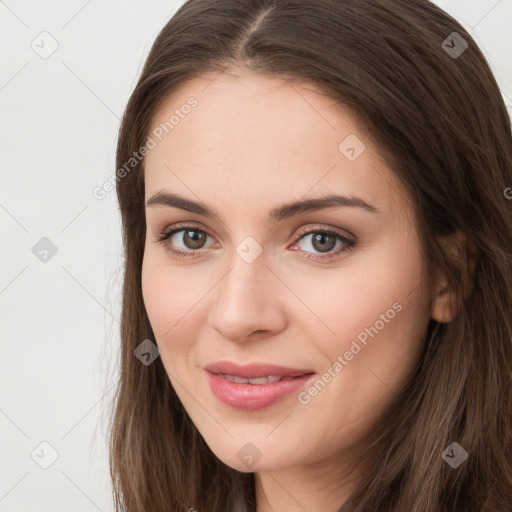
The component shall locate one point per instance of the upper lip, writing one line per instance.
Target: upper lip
(254, 370)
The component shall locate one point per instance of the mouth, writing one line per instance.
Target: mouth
(258, 380)
(254, 370)
(254, 386)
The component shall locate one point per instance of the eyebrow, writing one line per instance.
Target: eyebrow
(277, 214)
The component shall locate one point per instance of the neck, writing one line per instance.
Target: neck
(320, 488)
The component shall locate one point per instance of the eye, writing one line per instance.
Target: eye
(324, 241)
(191, 239)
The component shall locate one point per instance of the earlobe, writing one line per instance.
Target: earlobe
(461, 256)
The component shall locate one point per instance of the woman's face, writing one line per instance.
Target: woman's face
(269, 273)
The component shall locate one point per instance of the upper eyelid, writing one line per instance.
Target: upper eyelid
(303, 231)
(323, 227)
(183, 227)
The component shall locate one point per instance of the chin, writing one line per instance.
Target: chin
(251, 456)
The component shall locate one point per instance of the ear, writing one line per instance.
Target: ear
(461, 254)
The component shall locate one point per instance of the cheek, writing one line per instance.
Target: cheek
(169, 298)
(379, 317)
(345, 300)
(372, 312)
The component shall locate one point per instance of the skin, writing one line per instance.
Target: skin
(252, 144)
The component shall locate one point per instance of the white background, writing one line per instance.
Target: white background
(60, 319)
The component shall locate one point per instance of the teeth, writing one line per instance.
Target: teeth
(259, 380)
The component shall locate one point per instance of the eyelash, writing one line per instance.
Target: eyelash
(349, 243)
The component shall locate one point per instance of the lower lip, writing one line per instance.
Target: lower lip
(253, 396)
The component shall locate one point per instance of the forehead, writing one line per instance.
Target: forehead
(248, 135)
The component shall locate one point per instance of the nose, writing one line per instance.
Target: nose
(248, 302)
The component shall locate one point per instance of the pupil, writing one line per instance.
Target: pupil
(196, 237)
(322, 244)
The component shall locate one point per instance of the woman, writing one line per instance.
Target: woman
(318, 273)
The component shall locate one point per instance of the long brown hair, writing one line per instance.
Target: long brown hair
(435, 111)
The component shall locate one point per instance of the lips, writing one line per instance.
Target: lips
(254, 386)
(254, 370)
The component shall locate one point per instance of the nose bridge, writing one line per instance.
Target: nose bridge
(243, 286)
(244, 298)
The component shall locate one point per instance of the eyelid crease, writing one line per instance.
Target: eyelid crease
(304, 230)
